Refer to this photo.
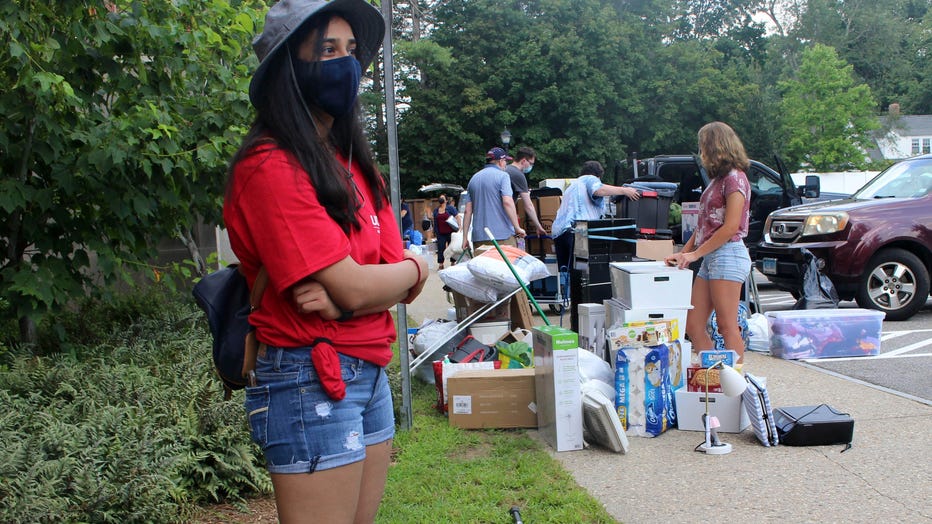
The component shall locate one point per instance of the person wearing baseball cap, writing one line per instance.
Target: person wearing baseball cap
(490, 204)
(306, 205)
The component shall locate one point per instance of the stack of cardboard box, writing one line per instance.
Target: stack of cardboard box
(540, 243)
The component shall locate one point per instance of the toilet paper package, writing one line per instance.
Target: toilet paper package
(643, 390)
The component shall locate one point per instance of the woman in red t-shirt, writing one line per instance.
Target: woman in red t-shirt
(718, 240)
(306, 202)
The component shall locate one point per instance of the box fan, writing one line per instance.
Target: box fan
(601, 422)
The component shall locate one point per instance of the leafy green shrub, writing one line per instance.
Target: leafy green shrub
(131, 428)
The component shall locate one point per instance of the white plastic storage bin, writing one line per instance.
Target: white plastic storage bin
(825, 333)
(651, 285)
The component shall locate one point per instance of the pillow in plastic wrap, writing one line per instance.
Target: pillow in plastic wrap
(491, 269)
(462, 280)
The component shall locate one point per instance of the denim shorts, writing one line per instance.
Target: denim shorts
(729, 262)
(299, 428)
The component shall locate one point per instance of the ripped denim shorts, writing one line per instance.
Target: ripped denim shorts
(299, 428)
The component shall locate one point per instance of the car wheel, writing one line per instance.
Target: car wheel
(896, 282)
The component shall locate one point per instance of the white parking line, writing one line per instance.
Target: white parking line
(906, 349)
(887, 335)
(777, 298)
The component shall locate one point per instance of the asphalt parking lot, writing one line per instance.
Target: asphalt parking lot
(904, 365)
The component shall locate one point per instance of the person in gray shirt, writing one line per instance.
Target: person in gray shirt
(491, 204)
(517, 171)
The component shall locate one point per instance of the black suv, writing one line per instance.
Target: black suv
(770, 190)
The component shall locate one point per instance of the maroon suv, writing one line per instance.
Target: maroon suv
(875, 246)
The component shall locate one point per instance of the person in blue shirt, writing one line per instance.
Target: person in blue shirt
(582, 200)
(491, 205)
(407, 223)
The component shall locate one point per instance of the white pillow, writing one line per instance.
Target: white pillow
(491, 269)
(462, 280)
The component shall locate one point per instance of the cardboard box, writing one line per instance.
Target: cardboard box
(539, 245)
(518, 335)
(823, 333)
(651, 285)
(501, 398)
(489, 332)
(559, 396)
(466, 306)
(689, 219)
(654, 249)
(547, 206)
(696, 380)
(690, 406)
(637, 334)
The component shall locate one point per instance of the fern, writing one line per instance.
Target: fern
(125, 426)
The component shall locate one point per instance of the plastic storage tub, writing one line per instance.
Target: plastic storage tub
(825, 333)
(652, 211)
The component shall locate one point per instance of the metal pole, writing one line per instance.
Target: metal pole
(391, 128)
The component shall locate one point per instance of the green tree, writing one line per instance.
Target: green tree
(918, 96)
(561, 76)
(827, 116)
(119, 119)
(881, 39)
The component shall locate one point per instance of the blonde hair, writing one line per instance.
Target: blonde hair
(721, 150)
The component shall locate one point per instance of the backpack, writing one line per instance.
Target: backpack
(225, 298)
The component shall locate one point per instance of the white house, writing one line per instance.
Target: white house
(906, 136)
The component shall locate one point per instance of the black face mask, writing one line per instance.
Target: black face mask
(329, 84)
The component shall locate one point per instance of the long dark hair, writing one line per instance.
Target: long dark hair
(281, 120)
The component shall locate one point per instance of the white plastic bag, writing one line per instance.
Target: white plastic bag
(758, 333)
(596, 373)
(429, 334)
(455, 247)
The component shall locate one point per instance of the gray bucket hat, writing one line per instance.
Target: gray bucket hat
(287, 16)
